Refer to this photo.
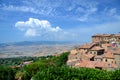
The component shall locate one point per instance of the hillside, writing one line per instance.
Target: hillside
(34, 48)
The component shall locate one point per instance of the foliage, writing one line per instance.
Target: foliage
(53, 68)
(116, 75)
(16, 61)
(44, 63)
(61, 60)
(66, 73)
(6, 73)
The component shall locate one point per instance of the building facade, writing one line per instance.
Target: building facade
(102, 53)
(106, 38)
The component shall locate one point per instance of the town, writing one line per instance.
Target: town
(103, 53)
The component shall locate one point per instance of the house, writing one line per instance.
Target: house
(100, 54)
(106, 38)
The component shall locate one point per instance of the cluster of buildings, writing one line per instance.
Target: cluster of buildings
(102, 53)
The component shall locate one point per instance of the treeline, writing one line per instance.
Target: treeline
(54, 68)
(17, 60)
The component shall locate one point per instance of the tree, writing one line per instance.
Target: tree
(6, 73)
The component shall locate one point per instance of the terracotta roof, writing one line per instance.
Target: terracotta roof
(117, 34)
(86, 46)
(97, 48)
(105, 65)
(100, 64)
(97, 35)
(84, 63)
(93, 64)
(108, 55)
(88, 55)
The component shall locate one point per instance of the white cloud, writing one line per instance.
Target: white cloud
(112, 11)
(30, 32)
(21, 8)
(36, 27)
(41, 11)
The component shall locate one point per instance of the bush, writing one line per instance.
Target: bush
(6, 73)
(66, 73)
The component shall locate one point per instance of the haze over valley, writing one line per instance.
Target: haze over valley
(32, 49)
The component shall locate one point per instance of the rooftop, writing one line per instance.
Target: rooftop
(108, 55)
(84, 63)
(86, 46)
(97, 48)
(105, 35)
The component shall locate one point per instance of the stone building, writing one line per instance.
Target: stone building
(100, 54)
(106, 38)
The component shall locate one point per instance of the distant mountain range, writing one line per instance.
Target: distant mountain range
(34, 48)
(27, 43)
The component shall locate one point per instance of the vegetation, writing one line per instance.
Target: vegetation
(6, 73)
(54, 68)
(63, 73)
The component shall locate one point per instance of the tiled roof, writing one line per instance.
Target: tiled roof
(100, 64)
(88, 55)
(97, 48)
(108, 55)
(105, 65)
(86, 46)
(117, 34)
(93, 64)
(84, 63)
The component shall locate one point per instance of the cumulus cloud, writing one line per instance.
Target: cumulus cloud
(36, 27)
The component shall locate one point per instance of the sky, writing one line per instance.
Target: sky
(57, 20)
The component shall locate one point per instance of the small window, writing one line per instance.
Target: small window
(94, 52)
(106, 60)
(112, 61)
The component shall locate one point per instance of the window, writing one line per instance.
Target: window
(94, 52)
(112, 61)
(106, 60)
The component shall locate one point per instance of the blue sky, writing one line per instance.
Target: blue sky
(59, 20)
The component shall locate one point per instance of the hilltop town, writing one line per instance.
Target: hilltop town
(102, 53)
